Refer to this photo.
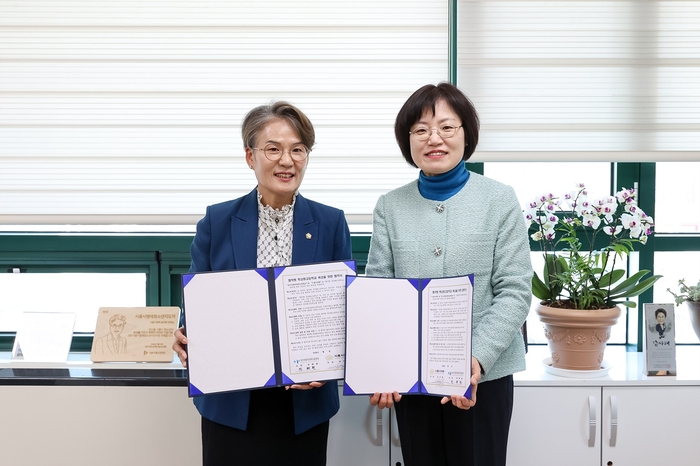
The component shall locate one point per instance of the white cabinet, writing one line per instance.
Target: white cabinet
(651, 425)
(552, 426)
(618, 420)
(98, 425)
(361, 434)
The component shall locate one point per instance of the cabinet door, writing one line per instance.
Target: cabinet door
(396, 458)
(359, 434)
(651, 425)
(98, 425)
(555, 426)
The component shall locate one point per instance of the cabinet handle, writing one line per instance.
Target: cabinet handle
(613, 420)
(592, 422)
(380, 427)
(394, 434)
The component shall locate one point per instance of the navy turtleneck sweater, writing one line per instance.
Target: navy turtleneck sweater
(444, 186)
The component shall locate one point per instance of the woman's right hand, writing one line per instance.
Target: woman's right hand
(384, 400)
(179, 345)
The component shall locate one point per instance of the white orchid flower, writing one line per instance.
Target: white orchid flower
(633, 224)
(549, 234)
(583, 207)
(632, 209)
(612, 231)
(625, 196)
(530, 215)
(546, 198)
(591, 220)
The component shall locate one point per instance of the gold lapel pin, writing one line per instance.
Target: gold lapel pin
(308, 236)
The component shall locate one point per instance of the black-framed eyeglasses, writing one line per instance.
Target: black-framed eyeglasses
(423, 133)
(273, 153)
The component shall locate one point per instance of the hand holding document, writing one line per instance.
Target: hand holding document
(412, 336)
(265, 327)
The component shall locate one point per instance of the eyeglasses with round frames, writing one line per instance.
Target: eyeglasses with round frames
(274, 153)
(423, 133)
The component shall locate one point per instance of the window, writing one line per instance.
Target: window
(678, 197)
(530, 179)
(675, 266)
(79, 293)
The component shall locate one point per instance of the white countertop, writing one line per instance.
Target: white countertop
(82, 361)
(624, 369)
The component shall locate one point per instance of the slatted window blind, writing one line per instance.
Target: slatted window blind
(583, 80)
(129, 112)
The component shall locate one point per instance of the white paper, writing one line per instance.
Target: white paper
(382, 335)
(400, 341)
(228, 330)
(44, 336)
(311, 320)
(447, 329)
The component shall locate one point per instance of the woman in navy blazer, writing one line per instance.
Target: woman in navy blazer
(272, 225)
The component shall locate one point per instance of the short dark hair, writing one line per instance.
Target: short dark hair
(257, 118)
(660, 311)
(425, 98)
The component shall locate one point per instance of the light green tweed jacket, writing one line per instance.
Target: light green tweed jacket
(479, 230)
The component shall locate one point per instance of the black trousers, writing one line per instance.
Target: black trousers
(269, 438)
(442, 435)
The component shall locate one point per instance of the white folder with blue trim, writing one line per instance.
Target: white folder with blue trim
(408, 335)
(265, 327)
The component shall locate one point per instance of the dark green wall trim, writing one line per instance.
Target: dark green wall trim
(452, 41)
(476, 167)
(162, 258)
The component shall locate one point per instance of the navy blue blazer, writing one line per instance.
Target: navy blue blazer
(227, 239)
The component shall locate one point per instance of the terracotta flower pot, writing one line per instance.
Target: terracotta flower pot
(576, 337)
(694, 311)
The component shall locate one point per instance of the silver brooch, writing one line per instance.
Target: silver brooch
(437, 251)
(440, 208)
(308, 236)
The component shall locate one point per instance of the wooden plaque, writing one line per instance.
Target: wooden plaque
(135, 334)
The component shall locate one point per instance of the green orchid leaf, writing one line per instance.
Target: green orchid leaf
(539, 289)
(638, 289)
(630, 304)
(629, 282)
(611, 277)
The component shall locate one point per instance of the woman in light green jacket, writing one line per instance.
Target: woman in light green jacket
(453, 222)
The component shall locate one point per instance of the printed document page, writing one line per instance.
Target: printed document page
(311, 319)
(446, 351)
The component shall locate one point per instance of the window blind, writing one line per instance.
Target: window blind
(586, 80)
(126, 112)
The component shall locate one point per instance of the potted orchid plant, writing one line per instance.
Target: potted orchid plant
(585, 243)
(577, 275)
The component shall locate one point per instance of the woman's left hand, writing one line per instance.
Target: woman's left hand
(305, 386)
(463, 402)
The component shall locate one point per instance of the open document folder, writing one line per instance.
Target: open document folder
(265, 327)
(409, 335)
